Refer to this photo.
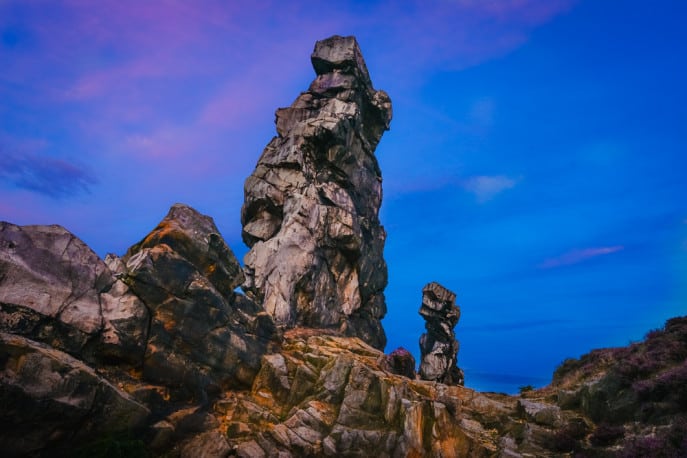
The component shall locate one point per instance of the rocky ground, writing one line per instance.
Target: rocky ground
(155, 353)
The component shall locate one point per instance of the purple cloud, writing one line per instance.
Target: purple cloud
(577, 256)
(56, 178)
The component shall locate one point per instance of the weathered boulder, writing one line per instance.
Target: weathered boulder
(52, 401)
(311, 206)
(55, 289)
(202, 334)
(208, 445)
(196, 238)
(438, 346)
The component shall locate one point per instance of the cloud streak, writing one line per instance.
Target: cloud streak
(55, 178)
(486, 187)
(577, 256)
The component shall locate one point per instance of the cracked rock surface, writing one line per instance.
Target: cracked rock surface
(438, 346)
(311, 208)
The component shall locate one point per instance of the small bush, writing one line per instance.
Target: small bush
(526, 388)
(670, 443)
(567, 439)
(605, 435)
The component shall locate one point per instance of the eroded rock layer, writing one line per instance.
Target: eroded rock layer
(311, 206)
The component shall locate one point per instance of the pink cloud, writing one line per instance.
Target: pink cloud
(577, 256)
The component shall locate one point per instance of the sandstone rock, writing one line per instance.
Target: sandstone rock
(161, 434)
(540, 413)
(52, 401)
(325, 395)
(202, 334)
(208, 445)
(196, 238)
(55, 289)
(49, 277)
(311, 206)
(125, 324)
(438, 347)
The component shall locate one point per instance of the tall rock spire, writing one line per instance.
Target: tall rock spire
(311, 209)
(438, 346)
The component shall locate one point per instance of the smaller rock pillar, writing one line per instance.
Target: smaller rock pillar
(438, 346)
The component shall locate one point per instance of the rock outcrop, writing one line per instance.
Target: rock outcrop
(311, 206)
(326, 395)
(156, 354)
(438, 346)
(202, 334)
(55, 289)
(50, 399)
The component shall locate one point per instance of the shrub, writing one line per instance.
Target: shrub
(669, 443)
(567, 439)
(605, 435)
(526, 388)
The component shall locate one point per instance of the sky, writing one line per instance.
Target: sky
(535, 163)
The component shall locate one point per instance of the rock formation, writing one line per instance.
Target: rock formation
(311, 206)
(201, 332)
(164, 321)
(55, 289)
(438, 346)
(155, 354)
(49, 397)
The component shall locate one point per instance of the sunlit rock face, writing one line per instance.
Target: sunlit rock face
(55, 289)
(438, 346)
(311, 209)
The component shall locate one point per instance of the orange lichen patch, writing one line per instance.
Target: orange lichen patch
(164, 229)
(423, 389)
(326, 412)
(169, 325)
(135, 373)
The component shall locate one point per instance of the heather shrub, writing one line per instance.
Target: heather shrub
(567, 439)
(669, 443)
(605, 435)
(526, 389)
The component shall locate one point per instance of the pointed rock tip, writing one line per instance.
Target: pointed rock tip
(339, 53)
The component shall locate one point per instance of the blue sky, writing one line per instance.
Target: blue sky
(535, 163)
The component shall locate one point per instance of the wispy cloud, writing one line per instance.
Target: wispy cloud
(486, 187)
(577, 256)
(56, 178)
(513, 326)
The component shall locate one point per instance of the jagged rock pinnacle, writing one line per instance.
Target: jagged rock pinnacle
(438, 347)
(311, 206)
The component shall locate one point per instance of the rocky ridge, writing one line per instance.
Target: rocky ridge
(156, 354)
